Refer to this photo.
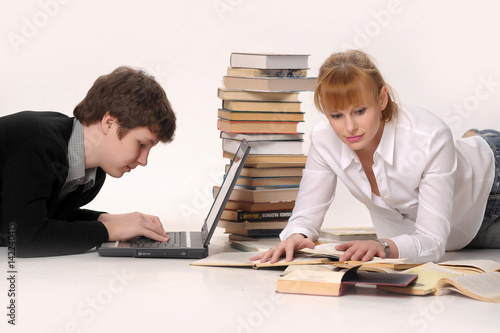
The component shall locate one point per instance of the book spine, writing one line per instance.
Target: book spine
(255, 232)
(264, 216)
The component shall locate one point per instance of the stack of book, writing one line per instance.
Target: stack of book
(260, 104)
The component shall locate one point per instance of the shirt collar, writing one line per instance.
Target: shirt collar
(385, 148)
(76, 158)
(76, 153)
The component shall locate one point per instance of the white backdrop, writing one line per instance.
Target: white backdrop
(440, 55)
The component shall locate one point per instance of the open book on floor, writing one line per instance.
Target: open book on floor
(323, 280)
(437, 279)
(324, 250)
(375, 265)
(387, 265)
(255, 245)
(345, 234)
(241, 259)
(472, 265)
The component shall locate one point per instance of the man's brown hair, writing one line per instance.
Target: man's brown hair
(134, 98)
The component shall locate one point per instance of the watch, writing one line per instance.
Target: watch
(387, 249)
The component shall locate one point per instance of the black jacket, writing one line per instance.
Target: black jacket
(33, 169)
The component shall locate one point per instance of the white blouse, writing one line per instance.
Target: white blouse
(433, 190)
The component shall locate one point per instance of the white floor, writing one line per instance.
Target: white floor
(89, 293)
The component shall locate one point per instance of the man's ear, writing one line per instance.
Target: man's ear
(107, 122)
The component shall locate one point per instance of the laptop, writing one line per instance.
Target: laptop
(183, 244)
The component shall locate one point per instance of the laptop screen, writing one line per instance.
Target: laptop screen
(225, 191)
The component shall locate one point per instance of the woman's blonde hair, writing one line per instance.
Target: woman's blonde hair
(340, 79)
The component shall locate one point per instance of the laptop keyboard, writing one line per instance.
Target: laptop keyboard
(177, 239)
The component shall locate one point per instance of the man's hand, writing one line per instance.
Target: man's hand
(292, 243)
(126, 226)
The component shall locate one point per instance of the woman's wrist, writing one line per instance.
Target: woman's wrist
(385, 246)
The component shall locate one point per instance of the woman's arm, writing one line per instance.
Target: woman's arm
(316, 193)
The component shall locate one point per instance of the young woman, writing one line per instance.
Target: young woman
(426, 192)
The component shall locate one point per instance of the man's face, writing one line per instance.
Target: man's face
(123, 155)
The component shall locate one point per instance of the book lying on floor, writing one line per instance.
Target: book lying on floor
(472, 266)
(241, 259)
(256, 245)
(375, 265)
(378, 264)
(483, 286)
(435, 279)
(324, 250)
(348, 233)
(323, 280)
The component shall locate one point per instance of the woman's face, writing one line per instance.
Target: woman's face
(360, 126)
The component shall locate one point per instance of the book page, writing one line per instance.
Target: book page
(319, 280)
(315, 276)
(395, 261)
(484, 265)
(483, 286)
(388, 263)
(255, 245)
(240, 259)
(326, 249)
(292, 268)
(428, 276)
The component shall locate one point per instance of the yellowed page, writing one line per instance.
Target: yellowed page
(315, 276)
(483, 286)
(484, 265)
(240, 259)
(314, 268)
(325, 249)
(428, 276)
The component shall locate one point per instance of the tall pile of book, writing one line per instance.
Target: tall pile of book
(260, 104)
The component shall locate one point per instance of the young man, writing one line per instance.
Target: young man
(51, 165)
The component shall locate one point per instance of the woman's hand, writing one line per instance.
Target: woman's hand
(292, 243)
(126, 226)
(364, 250)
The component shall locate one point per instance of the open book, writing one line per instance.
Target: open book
(348, 233)
(324, 250)
(386, 265)
(240, 259)
(438, 279)
(325, 281)
(472, 266)
(256, 245)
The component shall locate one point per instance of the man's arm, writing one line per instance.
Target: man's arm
(31, 183)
